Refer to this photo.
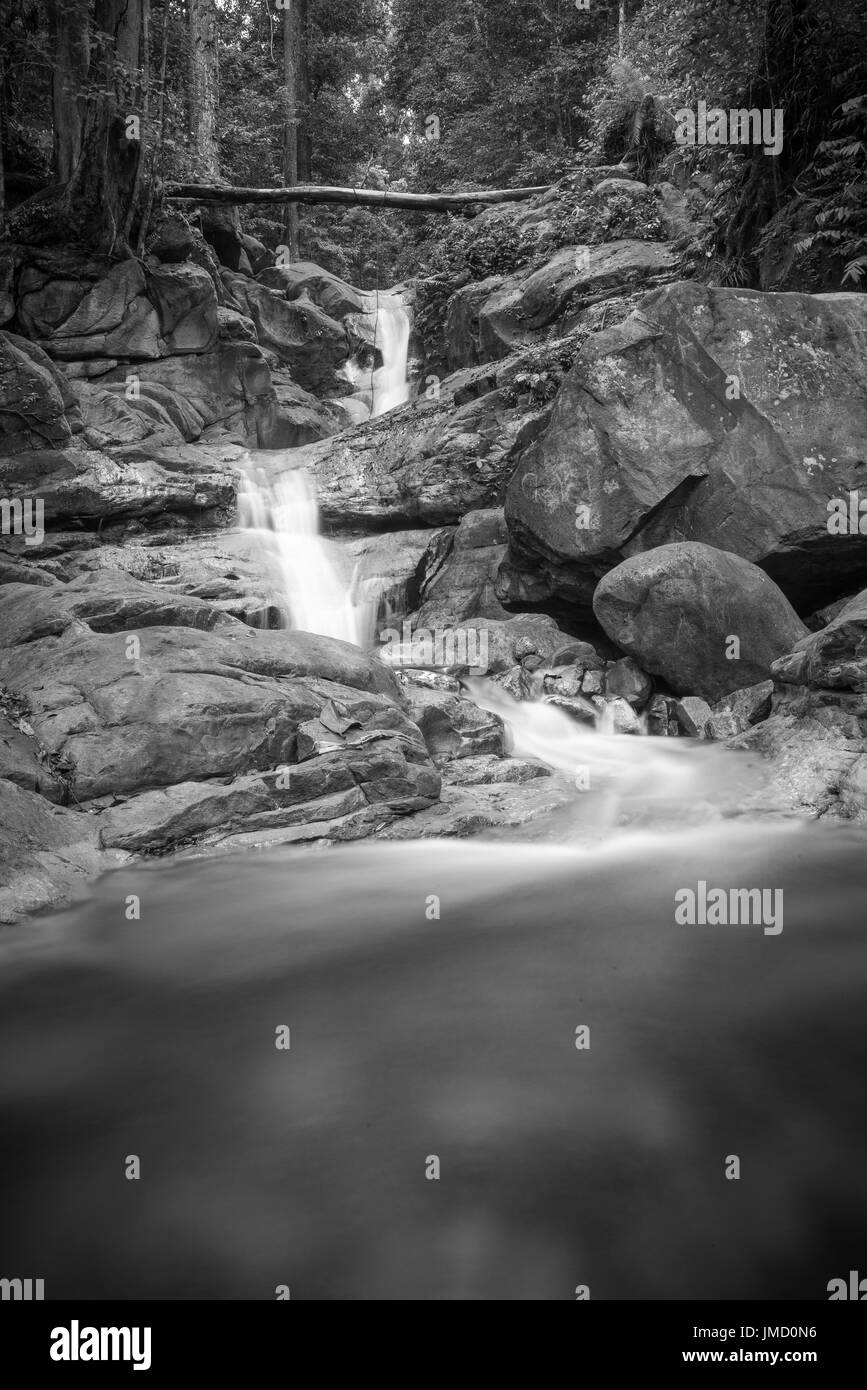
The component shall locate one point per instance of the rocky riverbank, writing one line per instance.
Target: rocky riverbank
(629, 496)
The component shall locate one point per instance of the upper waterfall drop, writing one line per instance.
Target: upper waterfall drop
(390, 381)
(315, 587)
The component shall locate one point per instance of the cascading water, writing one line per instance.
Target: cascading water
(281, 509)
(278, 503)
(651, 780)
(390, 382)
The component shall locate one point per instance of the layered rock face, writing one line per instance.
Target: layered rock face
(173, 351)
(157, 720)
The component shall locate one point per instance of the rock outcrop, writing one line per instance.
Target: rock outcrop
(717, 415)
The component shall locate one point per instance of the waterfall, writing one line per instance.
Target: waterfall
(390, 387)
(277, 503)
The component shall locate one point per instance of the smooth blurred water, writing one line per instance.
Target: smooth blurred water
(448, 1034)
(392, 327)
(278, 506)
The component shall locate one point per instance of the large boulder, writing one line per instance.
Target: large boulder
(112, 413)
(718, 415)
(300, 417)
(706, 621)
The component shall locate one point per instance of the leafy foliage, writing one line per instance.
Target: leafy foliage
(835, 184)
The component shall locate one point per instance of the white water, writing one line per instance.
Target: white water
(651, 780)
(390, 385)
(278, 505)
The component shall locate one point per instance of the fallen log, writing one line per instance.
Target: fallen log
(366, 197)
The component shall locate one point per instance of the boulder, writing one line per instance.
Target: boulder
(186, 303)
(229, 386)
(694, 716)
(736, 713)
(528, 304)
(300, 417)
(705, 620)
(719, 415)
(462, 340)
(106, 600)
(615, 716)
(38, 408)
(328, 291)
(257, 253)
(172, 240)
(834, 658)
(625, 679)
(463, 586)
(233, 327)
(662, 719)
(114, 412)
(453, 727)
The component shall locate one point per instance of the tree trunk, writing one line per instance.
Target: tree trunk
(367, 197)
(621, 28)
(96, 200)
(70, 56)
(302, 83)
(2, 165)
(203, 83)
(291, 34)
(135, 199)
(156, 146)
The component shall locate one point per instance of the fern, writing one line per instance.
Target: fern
(836, 181)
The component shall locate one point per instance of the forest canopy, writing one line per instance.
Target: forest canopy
(103, 101)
